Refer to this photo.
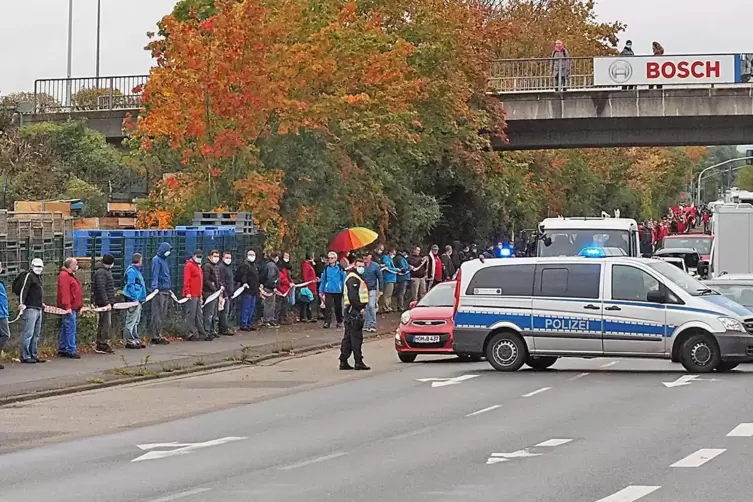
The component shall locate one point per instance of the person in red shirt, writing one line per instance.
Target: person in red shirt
(69, 298)
(435, 267)
(284, 288)
(308, 274)
(193, 282)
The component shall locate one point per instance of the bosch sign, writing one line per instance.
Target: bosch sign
(648, 70)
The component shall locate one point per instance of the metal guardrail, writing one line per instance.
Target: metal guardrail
(544, 74)
(64, 95)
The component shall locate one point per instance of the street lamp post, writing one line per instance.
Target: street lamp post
(70, 53)
(700, 175)
(99, 34)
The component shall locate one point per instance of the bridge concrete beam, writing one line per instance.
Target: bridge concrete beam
(108, 122)
(658, 117)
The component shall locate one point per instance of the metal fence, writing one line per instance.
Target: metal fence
(89, 93)
(545, 74)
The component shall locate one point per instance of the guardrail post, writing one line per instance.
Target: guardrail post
(112, 92)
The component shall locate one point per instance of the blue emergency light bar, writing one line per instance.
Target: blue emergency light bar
(593, 252)
(505, 253)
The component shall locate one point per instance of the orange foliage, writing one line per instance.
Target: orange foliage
(261, 194)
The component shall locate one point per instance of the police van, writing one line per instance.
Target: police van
(532, 311)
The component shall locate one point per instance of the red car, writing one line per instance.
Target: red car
(699, 242)
(427, 327)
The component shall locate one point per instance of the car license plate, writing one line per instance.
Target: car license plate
(426, 339)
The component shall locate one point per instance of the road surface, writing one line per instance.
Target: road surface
(607, 430)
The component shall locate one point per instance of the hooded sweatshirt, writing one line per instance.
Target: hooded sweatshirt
(161, 279)
(193, 279)
(135, 287)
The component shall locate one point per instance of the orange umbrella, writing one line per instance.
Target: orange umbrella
(352, 238)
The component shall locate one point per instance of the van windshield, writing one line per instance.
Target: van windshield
(682, 279)
(571, 242)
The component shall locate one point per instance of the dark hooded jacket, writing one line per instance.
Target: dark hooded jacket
(103, 289)
(161, 270)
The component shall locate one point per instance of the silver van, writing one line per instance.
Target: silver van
(517, 311)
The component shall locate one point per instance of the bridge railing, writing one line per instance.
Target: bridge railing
(89, 93)
(543, 74)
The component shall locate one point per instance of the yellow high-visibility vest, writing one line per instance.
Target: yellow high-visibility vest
(363, 290)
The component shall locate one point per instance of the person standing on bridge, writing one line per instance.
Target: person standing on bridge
(628, 51)
(658, 51)
(560, 66)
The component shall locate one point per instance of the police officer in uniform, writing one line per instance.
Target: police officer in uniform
(356, 296)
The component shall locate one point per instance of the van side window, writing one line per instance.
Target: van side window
(568, 281)
(503, 280)
(631, 284)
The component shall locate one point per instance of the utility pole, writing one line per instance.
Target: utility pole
(99, 35)
(70, 53)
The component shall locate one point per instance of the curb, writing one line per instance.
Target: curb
(31, 396)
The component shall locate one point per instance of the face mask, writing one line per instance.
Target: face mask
(286, 260)
(214, 259)
(227, 261)
(251, 258)
(37, 270)
(167, 253)
(360, 270)
(197, 259)
(75, 269)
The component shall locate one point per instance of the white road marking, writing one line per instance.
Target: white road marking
(554, 442)
(503, 457)
(494, 460)
(444, 382)
(313, 461)
(415, 432)
(609, 364)
(181, 495)
(174, 444)
(699, 458)
(630, 494)
(479, 412)
(683, 380)
(742, 430)
(183, 448)
(537, 391)
(580, 375)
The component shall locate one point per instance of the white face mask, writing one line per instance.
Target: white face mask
(227, 261)
(251, 258)
(167, 253)
(286, 260)
(37, 270)
(197, 259)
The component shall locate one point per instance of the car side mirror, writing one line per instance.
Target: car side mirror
(412, 305)
(703, 268)
(656, 297)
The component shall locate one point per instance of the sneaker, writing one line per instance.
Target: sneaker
(344, 365)
(2, 367)
(253, 328)
(40, 361)
(132, 345)
(29, 361)
(160, 341)
(339, 325)
(243, 328)
(361, 367)
(72, 355)
(326, 325)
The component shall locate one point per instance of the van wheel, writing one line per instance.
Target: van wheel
(471, 358)
(406, 358)
(506, 352)
(700, 354)
(541, 363)
(726, 366)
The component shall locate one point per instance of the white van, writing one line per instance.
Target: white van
(568, 236)
(532, 311)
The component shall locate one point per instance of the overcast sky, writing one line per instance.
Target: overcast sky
(33, 36)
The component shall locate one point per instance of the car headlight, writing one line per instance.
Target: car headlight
(732, 324)
(405, 318)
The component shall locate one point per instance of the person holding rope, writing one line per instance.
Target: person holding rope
(28, 286)
(4, 314)
(134, 291)
(104, 296)
(70, 298)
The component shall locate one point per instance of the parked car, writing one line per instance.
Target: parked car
(736, 287)
(690, 256)
(427, 327)
(699, 242)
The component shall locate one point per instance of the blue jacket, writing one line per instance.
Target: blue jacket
(332, 280)
(135, 287)
(373, 276)
(390, 272)
(402, 264)
(3, 302)
(161, 270)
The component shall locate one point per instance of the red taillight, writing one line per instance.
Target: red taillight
(459, 278)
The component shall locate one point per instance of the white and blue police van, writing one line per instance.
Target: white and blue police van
(517, 311)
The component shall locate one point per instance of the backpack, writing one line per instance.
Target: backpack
(18, 282)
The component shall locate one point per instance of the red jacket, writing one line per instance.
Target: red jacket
(70, 295)
(193, 279)
(285, 281)
(308, 273)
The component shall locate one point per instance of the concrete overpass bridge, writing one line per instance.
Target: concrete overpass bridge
(550, 103)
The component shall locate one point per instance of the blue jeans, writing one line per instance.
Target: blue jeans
(369, 313)
(67, 334)
(131, 324)
(31, 326)
(4, 332)
(248, 308)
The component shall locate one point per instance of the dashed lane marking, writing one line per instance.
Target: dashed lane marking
(181, 495)
(630, 494)
(742, 430)
(579, 376)
(609, 364)
(313, 461)
(537, 391)
(479, 412)
(700, 457)
(554, 442)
